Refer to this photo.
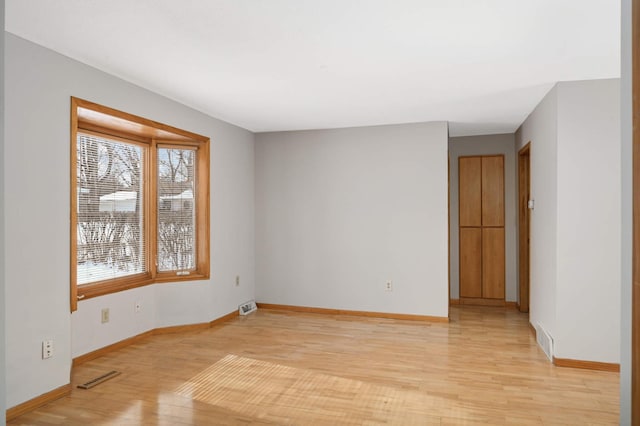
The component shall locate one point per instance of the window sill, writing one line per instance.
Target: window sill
(90, 291)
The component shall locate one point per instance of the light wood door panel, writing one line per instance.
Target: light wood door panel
(470, 262)
(481, 214)
(493, 191)
(470, 190)
(493, 263)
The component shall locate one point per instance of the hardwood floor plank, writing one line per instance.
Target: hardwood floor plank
(278, 368)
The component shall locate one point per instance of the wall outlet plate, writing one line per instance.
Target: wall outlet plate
(47, 349)
(105, 315)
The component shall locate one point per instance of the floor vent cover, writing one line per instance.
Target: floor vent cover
(98, 380)
(247, 308)
(545, 341)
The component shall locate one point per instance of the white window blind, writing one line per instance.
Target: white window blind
(110, 209)
(176, 209)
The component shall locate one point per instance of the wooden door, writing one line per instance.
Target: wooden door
(524, 178)
(493, 263)
(471, 258)
(470, 191)
(493, 191)
(481, 228)
(470, 222)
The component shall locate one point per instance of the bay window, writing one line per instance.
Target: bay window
(140, 202)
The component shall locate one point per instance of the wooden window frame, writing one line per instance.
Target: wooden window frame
(94, 119)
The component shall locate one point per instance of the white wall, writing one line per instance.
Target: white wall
(39, 83)
(340, 212)
(87, 331)
(485, 145)
(627, 227)
(540, 128)
(588, 278)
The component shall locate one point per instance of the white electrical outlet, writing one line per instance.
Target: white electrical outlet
(137, 307)
(237, 280)
(105, 315)
(389, 286)
(47, 349)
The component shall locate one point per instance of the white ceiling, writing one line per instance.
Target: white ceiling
(269, 65)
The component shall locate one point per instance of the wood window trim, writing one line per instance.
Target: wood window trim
(94, 119)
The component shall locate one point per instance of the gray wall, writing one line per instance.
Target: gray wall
(575, 225)
(588, 220)
(485, 145)
(627, 171)
(540, 128)
(340, 212)
(39, 83)
(3, 388)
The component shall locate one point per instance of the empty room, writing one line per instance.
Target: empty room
(289, 212)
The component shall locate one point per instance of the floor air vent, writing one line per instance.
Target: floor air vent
(545, 341)
(98, 380)
(247, 308)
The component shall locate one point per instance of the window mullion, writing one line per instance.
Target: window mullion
(151, 174)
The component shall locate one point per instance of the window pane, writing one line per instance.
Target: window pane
(176, 213)
(110, 209)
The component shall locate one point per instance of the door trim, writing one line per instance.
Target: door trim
(635, 259)
(448, 232)
(524, 221)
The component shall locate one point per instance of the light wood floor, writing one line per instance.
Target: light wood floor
(293, 368)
